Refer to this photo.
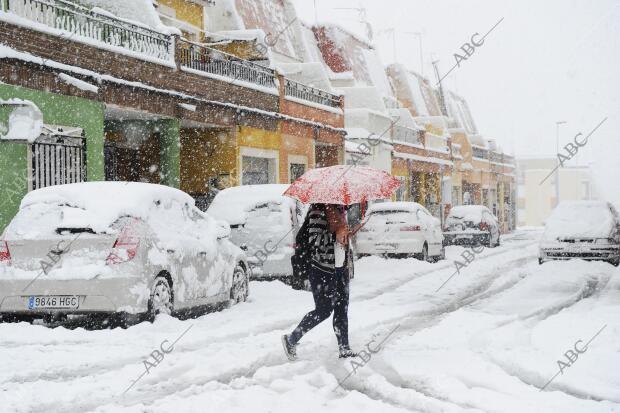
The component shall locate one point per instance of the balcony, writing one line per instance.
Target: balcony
(300, 91)
(198, 57)
(104, 30)
(78, 20)
(406, 134)
(480, 153)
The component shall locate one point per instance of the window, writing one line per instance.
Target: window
(296, 170)
(257, 171)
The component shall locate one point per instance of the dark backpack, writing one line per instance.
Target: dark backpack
(300, 261)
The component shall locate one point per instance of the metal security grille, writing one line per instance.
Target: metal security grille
(58, 160)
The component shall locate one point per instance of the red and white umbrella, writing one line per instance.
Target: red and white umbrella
(343, 185)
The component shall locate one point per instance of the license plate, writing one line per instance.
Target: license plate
(386, 246)
(53, 302)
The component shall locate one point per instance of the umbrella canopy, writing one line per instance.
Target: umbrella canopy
(343, 185)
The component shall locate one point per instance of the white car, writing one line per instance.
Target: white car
(473, 225)
(264, 223)
(589, 230)
(119, 248)
(400, 229)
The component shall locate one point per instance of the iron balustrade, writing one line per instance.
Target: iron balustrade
(311, 94)
(79, 20)
(71, 17)
(195, 56)
(480, 153)
(405, 134)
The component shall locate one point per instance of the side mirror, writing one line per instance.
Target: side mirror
(223, 229)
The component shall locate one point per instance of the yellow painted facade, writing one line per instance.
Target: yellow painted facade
(207, 155)
(188, 12)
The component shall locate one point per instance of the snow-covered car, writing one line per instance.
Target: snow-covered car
(128, 249)
(264, 223)
(400, 228)
(589, 230)
(472, 225)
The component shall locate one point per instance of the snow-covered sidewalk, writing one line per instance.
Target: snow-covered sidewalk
(487, 341)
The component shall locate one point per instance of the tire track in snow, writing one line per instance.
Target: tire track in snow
(418, 274)
(589, 289)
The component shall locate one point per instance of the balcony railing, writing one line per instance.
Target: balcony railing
(405, 134)
(195, 56)
(79, 20)
(311, 94)
(480, 153)
(71, 17)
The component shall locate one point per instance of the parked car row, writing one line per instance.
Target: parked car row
(113, 247)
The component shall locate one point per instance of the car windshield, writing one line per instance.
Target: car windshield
(46, 220)
(465, 213)
(389, 217)
(579, 220)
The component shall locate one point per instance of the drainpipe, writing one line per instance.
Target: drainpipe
(281, 91)
(176, 50)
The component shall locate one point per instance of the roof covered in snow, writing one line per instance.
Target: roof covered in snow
(343, 52)
(232, 204)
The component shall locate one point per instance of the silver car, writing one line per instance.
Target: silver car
(472, 225)
(113, 247)
(264, 223)
(588, 230)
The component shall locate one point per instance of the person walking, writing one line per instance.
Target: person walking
(327, 237)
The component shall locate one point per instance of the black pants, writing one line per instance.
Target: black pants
(331, 294)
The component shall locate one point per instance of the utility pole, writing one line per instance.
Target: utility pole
(442, 100)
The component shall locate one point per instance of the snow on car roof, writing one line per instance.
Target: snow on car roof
(232, 204)
(394, 206)
(589, 219)
(467, 212)
(107, 201)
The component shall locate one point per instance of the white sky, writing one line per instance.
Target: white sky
(547, 61)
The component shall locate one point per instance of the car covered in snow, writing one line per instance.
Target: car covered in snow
(589, 230)
(264, 223)
(400, 229)
(471, 225)
(130, 249)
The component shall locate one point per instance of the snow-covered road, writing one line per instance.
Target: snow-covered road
(487, 341)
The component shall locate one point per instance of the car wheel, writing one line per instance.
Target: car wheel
(498, 240)
(423, 256)
(240, 289)
(488, 243)
(540, 261)
(161, 300)
(615, 263)
(442, 255)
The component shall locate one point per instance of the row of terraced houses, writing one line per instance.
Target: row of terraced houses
(206, 94)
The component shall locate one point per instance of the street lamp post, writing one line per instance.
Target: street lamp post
(557, 151)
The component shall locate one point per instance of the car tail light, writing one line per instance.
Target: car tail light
(410, 228)
(126, 245)
(483, 226)
(5, 254)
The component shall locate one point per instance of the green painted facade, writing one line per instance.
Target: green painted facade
(170, 151)
(74, 112)
(57, 110)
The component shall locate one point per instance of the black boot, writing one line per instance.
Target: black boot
(289, 349)
(346, 352)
